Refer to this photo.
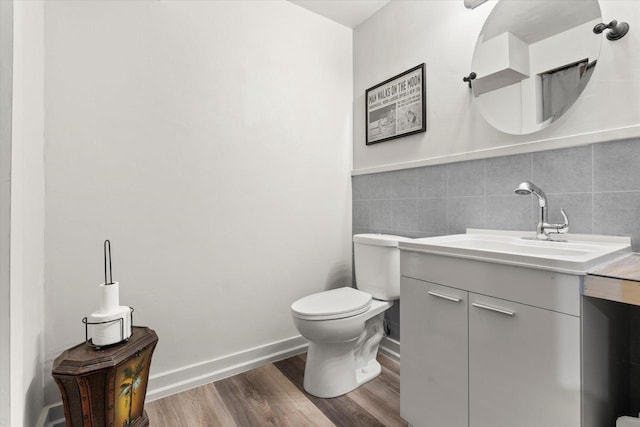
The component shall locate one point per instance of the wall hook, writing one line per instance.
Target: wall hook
(617, 30)
(469, 78)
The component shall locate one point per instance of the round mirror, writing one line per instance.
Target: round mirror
(532, 60)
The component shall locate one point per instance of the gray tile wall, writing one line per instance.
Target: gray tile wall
(597, 185)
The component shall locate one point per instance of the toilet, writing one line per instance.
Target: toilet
(344, 326)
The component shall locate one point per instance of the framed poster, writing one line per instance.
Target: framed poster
(396, 107)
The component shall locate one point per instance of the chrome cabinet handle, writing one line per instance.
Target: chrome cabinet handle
(498, 310)
(447, 297)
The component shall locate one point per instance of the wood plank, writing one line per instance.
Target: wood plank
(381, 396)
(273, 395)
(617, 281)
(390, 364)
(627, 268)
(264, 397)
(341, 410)
(611, 289)
(201, 407)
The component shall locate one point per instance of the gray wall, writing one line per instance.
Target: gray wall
(598, 186)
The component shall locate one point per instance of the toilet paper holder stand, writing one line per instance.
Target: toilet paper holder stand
(90, 343)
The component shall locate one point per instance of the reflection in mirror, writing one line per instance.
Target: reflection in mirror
(533, 58)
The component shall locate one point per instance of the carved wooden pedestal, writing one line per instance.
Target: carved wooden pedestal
(107, 387)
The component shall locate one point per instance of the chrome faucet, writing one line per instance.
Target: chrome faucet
(544, 229)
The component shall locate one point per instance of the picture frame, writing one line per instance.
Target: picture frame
(396, 107)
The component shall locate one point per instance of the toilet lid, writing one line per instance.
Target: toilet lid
(332, 304)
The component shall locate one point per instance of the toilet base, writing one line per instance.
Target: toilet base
(333, 369)
(369, 372)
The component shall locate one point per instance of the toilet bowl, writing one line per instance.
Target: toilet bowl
(344, 326)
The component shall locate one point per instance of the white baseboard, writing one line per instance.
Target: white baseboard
(188, 377)
(51, 416)
(390, 348)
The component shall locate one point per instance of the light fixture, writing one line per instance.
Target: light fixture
(617, 30)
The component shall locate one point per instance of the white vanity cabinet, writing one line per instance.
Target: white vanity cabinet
(434, 374)
(524, 365)
(480, 349)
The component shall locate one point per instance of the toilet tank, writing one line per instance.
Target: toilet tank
(377, 263)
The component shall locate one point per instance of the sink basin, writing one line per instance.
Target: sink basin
(577, 255)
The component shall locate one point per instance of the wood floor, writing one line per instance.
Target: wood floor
(272, 395)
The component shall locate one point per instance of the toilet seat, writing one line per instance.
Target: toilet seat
(333, 304)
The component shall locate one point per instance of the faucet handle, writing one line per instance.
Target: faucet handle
(557, 228)
(566, 221)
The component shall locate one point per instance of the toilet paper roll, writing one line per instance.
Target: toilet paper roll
(113, 331)
(109, 297)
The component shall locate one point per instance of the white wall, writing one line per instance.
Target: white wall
(6, 89)
(210, 142)
(27, 214)
(443, 33)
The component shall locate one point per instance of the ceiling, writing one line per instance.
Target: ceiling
(350, 13)
(536, 20)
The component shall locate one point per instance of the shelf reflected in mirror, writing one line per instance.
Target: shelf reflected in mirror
(532, 61)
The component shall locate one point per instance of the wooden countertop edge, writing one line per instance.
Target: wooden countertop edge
(626, 268)
(617, 281)
(612, 289)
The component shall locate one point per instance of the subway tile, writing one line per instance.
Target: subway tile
(432, 181)
(577, 206)
(567, 170)
(466, 178)
(380, 185)
(465, 212)
(422, 234)
(615, 165)
(405, 215)
(360, 187)
(380, 230)
(509, 212)
(380, 214)
(432, 215)
(410, 234)
(618, 214)
(360, 214)
(505, 173)
(404, 184)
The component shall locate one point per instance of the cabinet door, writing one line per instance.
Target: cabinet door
(434, 373)
(524, 365)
